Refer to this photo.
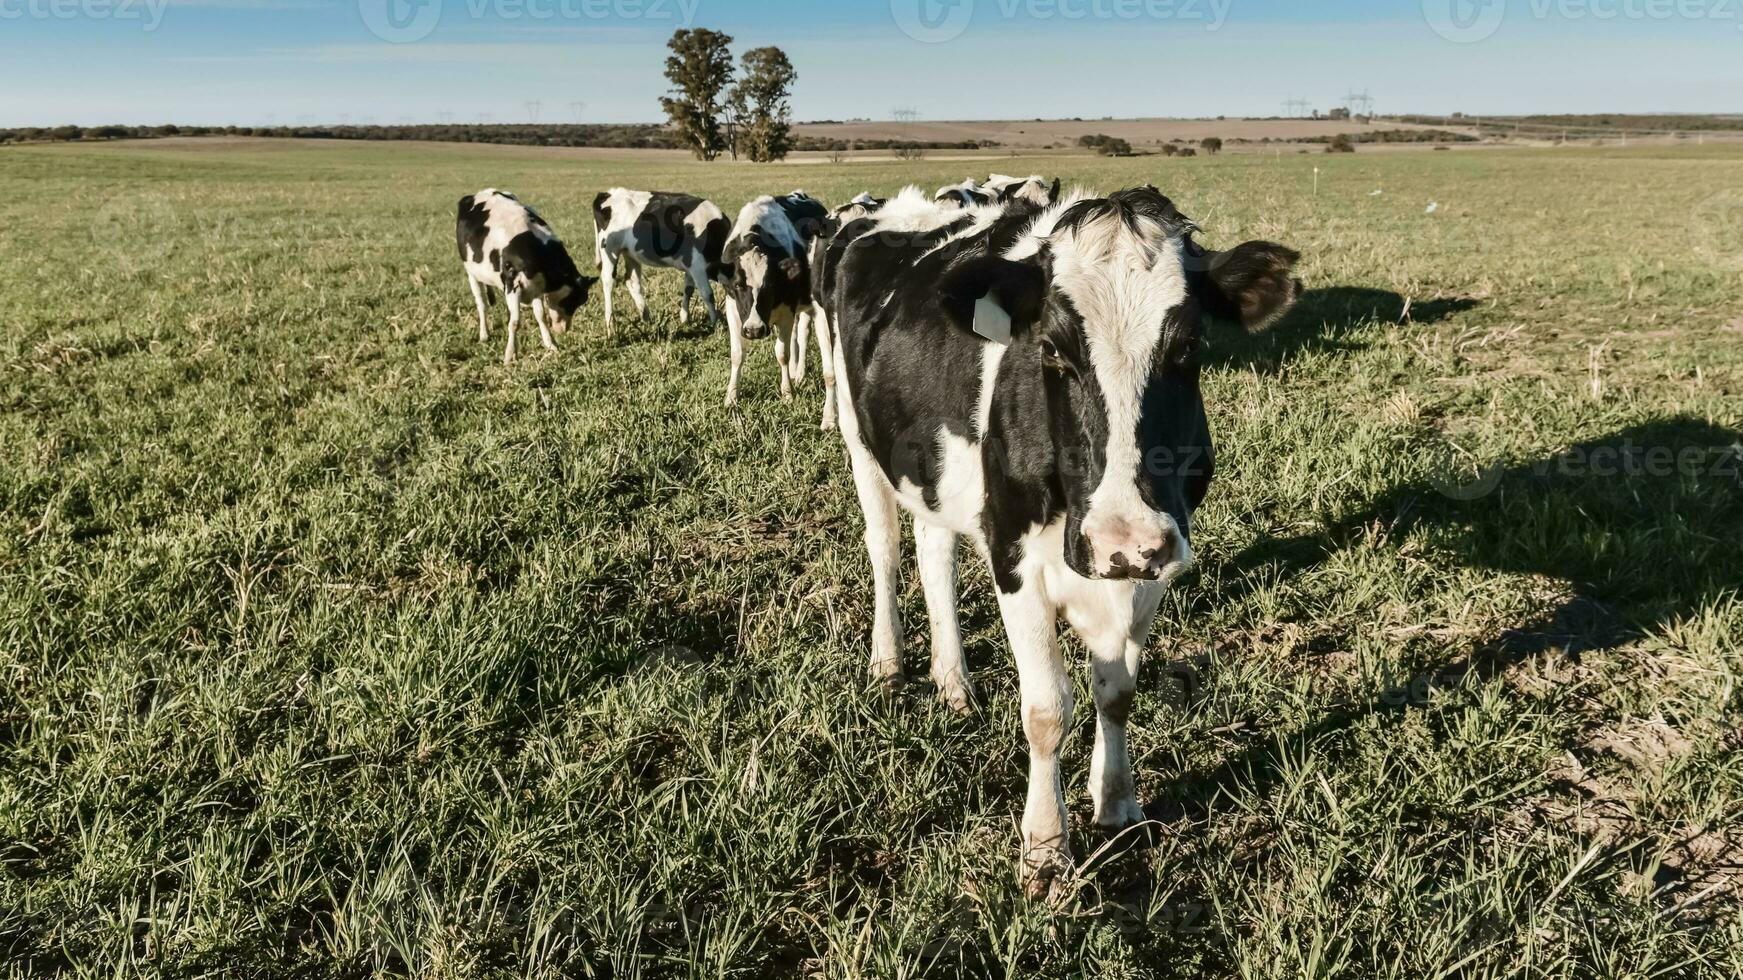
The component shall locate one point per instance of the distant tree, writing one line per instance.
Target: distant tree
(1212, 145)
(764, 86)
(1107, 146)
(1340, 144)
(699, 68)
(1169, 149)
(737, 115)
(1187, 151)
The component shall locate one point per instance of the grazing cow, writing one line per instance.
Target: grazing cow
(767, 273)
(664, 230)
(1034, 189)
(967, 194)
(1028, 379)
(505, 245)
(821, 307)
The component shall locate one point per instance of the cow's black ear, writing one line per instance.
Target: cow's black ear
(792, 268)
(1252, 284)
(1017, 288)
(730, 255)
(1053, 192)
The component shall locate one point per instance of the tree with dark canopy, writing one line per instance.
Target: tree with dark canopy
(760, 96)
(699, 68)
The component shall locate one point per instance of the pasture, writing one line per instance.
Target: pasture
(330, 647)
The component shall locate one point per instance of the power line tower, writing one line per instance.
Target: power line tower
(533, 108)
(577, 108)
(1295, 108)
(905, 114)
(1360, 103)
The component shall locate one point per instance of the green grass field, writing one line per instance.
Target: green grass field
(329, 647)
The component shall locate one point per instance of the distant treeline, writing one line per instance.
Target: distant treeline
(1395, 136)
(638, 136)
(1597, 124)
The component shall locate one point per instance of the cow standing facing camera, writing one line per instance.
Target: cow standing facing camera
(505, 245)
(766, 267)
(1027, 378)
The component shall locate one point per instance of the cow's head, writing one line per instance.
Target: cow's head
(768, 284)
(1109, 309)
(566, 301)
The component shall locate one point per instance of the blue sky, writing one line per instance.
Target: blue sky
(391, 61)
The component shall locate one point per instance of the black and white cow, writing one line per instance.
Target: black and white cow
(821, 310)
(768, 282)
(1028, 379)
(664, 230)
(967, 194)
(1033, 189)
(505, 245)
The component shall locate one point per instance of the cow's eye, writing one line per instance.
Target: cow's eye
(1190, 352)
(1050, 355)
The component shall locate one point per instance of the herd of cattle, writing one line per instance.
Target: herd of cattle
(1010, 366)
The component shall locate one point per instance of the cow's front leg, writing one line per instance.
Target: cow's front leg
(735, 333)
(542, 314)
(705, 286)
(478, 300)
(1031, 626)
(796, 359)
(1113, 620)
(513, 301)
(937, 554)
(783, 342)
(826, 356)
(684, 308)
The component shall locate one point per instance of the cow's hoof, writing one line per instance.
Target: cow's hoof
(1045, 874)
(731, 401)
(888, 683)
(1119, 817)
(827, 426)
(959, 698)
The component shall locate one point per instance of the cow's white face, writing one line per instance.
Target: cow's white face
(1109, 311)
(1119, 325)
(768, 289)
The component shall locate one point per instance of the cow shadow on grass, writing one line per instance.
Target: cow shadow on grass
(1641, 523)
(1326, 320)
